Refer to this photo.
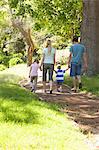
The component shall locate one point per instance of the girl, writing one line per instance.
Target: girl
(33, 74)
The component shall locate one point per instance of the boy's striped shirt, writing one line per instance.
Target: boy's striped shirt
(60, 75)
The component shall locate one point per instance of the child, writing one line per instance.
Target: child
(33, 74)
(60, 77)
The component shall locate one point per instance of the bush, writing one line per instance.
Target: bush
(2, 67)
(15, 61)
(4, 60)
(19, 55)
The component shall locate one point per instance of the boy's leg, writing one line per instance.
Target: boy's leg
(58, 86)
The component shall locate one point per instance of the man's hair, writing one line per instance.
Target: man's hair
(75, 38)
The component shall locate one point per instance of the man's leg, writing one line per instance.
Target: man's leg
(79, 76)
(73, 75)
(74, 84)
(79, 81)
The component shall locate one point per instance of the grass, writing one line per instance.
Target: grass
(90, 84)
(29, 124)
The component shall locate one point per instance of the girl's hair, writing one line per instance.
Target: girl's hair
(48, 45)
(36, 60)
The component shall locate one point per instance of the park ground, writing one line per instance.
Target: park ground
(18, 112)
(81, 107)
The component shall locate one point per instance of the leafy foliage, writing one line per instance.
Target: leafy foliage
(2, 67)
(15, 61)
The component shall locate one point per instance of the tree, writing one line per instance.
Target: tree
(60, 17)
(90, 34)
(17, 11)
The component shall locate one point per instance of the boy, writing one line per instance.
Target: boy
(33, 74)
(59, 77)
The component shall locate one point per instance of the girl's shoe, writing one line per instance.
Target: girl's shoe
(32, 90)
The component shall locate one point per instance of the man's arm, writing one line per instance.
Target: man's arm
(69, 59)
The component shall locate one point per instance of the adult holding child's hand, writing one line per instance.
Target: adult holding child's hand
(48, 61)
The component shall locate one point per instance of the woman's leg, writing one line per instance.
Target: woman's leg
(44, 76)
(51, 68)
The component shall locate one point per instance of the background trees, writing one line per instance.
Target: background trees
(59, 20)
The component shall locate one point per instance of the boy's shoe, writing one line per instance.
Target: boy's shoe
(80, 85)
(50, 91)
(74, 90)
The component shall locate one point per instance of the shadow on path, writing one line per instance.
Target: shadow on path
(80, 107)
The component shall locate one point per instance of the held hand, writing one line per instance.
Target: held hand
(40, 68)
(68, 66)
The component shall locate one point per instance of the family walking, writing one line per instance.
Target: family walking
(47, 65)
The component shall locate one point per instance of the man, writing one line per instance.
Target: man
(76, 57)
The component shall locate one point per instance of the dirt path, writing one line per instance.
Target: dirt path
(80, 107)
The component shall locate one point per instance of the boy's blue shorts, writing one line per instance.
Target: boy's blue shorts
(75, 69)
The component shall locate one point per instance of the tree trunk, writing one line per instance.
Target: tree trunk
(90, 34)
(28, 39)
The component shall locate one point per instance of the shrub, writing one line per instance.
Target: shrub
(2, 67)
(4, 60)
(15, 61)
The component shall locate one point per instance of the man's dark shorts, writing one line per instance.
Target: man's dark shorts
(75, 69)
(50, 69)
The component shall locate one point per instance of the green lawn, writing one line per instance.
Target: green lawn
(29, 124)
(90, 84)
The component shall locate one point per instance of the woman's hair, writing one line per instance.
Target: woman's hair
(48, 45)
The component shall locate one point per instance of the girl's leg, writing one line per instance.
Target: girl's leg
(35, 83)
(31, 83)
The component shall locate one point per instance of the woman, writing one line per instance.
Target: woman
(48, 61)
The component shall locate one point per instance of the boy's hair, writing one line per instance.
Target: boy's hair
(58, 66)
(75, 38)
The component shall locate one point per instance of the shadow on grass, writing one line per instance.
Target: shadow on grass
(19, 105)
